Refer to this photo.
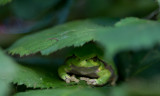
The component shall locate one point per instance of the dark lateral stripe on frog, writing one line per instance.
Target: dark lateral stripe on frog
(109, 67)
(85, 72)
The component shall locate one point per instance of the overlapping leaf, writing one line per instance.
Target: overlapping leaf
(7, 70)
(141, 64)
(71, 34)
(131, 36)
(149, 65)
(79, 32)
(132, 21)
(138, 88)
(158, 2)
(4, 88)
(63, 92)
(143, 35)
(38, 78)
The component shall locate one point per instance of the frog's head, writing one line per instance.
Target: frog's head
(83, 62)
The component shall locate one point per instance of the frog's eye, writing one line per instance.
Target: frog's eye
(95, 59)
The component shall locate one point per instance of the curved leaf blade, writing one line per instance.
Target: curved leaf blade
(132, 21)
(131, 36)
(63, 92)
(38, 78)
(7, 70)
(71, 34)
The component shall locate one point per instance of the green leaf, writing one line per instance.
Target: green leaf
(63, 92)
(3, 2)
(38, 78)
(70, 34)
(130, 62)
(149, 65)
(7, 67)
(132, 21)
(7, 71)
(4, 88)
(158, 2)
(130, 37)
(141, 64)
(138, 87)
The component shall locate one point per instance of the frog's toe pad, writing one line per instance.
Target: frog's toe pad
(74, 79)
(92, 82)
(68, 79)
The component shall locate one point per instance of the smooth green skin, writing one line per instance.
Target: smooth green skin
(101, 71)
(82, 60)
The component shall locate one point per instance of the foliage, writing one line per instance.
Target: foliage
(62, 92)
(130, 41)
(40, 78)
(158, 1)
(7, 72)
(142, 35)
(126, 35)
(53, 39)
(138, 88)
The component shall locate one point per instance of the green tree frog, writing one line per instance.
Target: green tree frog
(86, 63)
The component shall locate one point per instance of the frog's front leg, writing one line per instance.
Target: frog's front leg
(62, 71)
(104, 76)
